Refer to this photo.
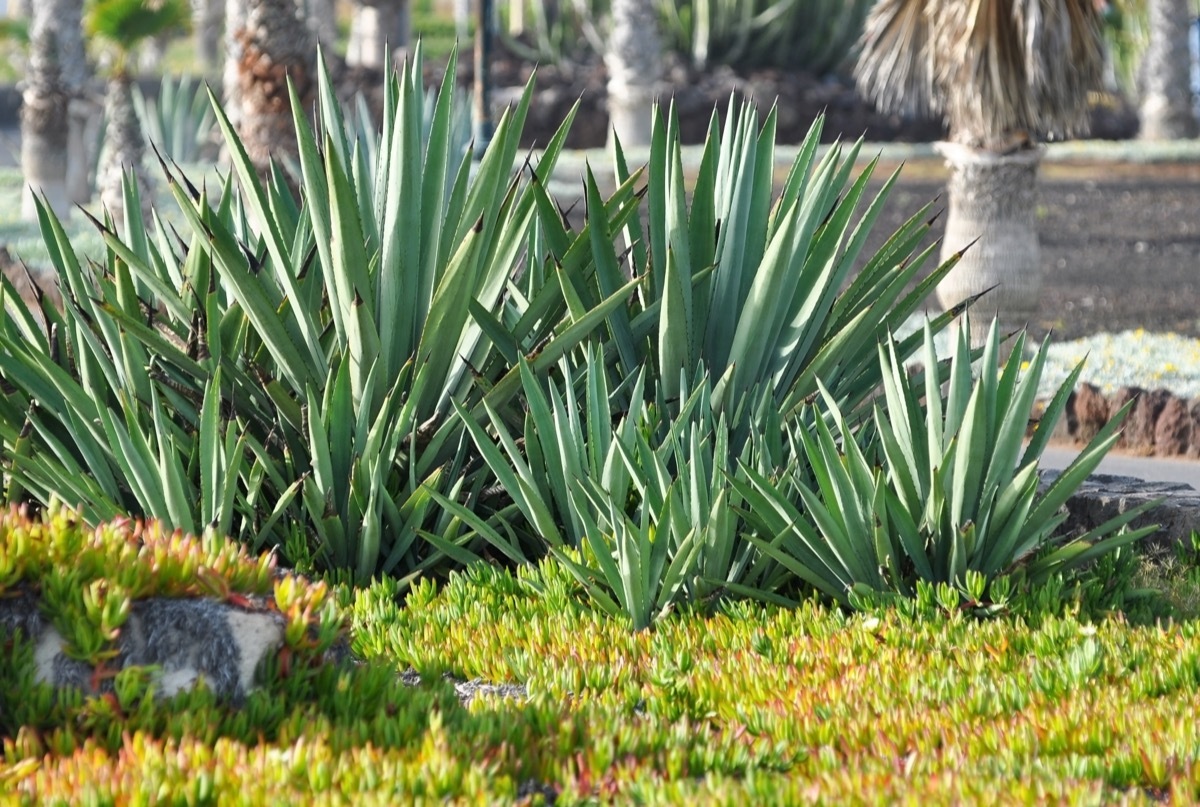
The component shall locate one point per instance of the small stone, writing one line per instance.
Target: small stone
(1087, 412)
(1173, 429)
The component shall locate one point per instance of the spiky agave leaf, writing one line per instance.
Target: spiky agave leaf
(761, 288)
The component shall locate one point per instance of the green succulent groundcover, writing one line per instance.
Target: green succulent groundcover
(742, 702)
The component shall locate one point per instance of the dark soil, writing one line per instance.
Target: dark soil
(1120, 245)
(798, 98)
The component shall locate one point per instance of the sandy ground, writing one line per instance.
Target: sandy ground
(1120, 244)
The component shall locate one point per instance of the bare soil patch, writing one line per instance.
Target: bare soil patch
(1120, 245)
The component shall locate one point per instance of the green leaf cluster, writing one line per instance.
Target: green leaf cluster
(422, 362)
(125, 24)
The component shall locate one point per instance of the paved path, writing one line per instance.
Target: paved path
(1152, 469)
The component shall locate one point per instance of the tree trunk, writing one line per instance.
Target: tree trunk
(516, 17)
(322, 21)
(83, 128)
(124, 148)
(1166, 109)
(462, 18)
(634, 62)
(992, 199)
(377, 29)
(207, 18)
(151, 53)
(83, 110)
(276, 45)
(231, 95)
(72, 55)
(44, 123)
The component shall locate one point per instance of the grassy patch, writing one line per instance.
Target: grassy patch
(1175, 576)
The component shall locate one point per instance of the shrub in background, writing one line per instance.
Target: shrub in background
(179, 121)
(813, 35)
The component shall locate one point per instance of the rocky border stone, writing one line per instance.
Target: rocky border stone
(1160, 422)
(183, 639)
(1102, 497)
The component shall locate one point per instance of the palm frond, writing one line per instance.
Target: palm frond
(990, 67)
(895, 68)
(125, 23)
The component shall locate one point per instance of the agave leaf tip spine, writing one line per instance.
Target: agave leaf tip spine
(958, 255)
(99, 225)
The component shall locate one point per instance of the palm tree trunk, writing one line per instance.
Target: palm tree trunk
(151, 53)
(378, 26)
(72, 55)
(207, 16)
(634, 62)
(82, 111)
(44, 120)
(1166, 109)
(124, 148)
(322, 21)
(992, 216)
(277, 46)
(231, 94)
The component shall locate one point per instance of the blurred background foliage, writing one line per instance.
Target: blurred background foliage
(813, 35)
(1127, 29)
(818, 36)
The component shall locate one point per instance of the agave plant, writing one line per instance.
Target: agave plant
(814, 35)
(759, 288)
(179, 121)
(952, 496)
(288, 371)
(742, 304)
(637, 504)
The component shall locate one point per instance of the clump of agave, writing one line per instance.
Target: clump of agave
(421, 362)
